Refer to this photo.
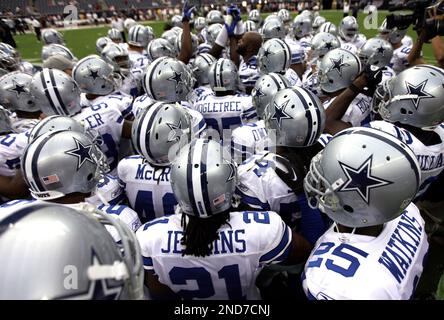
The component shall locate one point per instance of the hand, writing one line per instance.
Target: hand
(371, 76)
(234, 11)
(187, 11)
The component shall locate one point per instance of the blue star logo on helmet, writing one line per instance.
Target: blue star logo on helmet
(18, 89)
(258, 93)
(94, 74)
(361, 179)
(328, 45)
(267, 53)
(279, 113)
(81, 152)
(338, 64)
(176, 131)
(177, 78)
(380, 50)
(418, 90)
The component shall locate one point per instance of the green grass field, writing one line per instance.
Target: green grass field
(82, 41)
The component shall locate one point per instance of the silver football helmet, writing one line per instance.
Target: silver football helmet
(62, 162)
(317, 22)
(337, 70)
(285, 16)
(5, 121)
(223, 76)
(203, 178)
(214, 16)
(213, 32)
(50, 36)
(393, 35)
(7, 63)
(170, 36)
(55, 92)
(348, 28)
(94, 75)
(158, 48)
(52, 49)
(168, 80)
(151, 34)
(297, 116)
(115, 35)
(199, 24)
(139, 36)
(101, 43)
(255, 16)
(176, 21)
(83, 262)
(274, 56)
(159, 130)
(177, 30)
(273, 28)
(302, 26)
(61, 123)
(250, 26)
(118, 57)
(328, 27)
(194, 43)
(377, 52)
(265, 88)
(322, 43)
(363, 177)
(201, 66)
(414, 97)
(15, 92)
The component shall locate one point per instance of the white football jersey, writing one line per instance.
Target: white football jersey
(137, 60)
(430, 158)
(253, 240)
(249, 139)
(248, 72)
(109, 191)
(399, 60)
(140, 103)
(407, 41)
(200, 92)
(386, 267)
(104, 116)
(348, 46)
(293, 78)
(123, 102)
(261, 188)
(148, 189)
(359, 40)
(358, 112)
(11, 148)
(387, 74)
(20, 125)
(296, 49)
(226, 112)
(121, 212)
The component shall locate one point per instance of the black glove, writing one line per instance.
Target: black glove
(373, 75)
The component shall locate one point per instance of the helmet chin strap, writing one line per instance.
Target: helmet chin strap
(343, 237)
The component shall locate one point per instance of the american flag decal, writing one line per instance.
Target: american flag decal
(50, 179)
(219, 200)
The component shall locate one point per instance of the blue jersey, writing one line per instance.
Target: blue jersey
(253, 240)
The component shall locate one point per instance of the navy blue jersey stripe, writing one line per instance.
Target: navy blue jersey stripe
(203, 177)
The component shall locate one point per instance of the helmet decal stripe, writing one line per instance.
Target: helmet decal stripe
(147, 127)
(57, 93)
(43, 79)
(16, 216)
(276, 82)
(196, 173)
(309, 115)
(203, 177)
(318, 117)
(34, 158)
(153, 71)
(190, 180)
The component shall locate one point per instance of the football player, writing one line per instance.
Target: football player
(349, 34)
(73, 255)
(364, 181)
(206, 241)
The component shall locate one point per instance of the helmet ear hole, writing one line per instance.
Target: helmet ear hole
(348, 208)
(89, 177)
(403, 111)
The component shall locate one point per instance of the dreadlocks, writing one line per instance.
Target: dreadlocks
(200, 234)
